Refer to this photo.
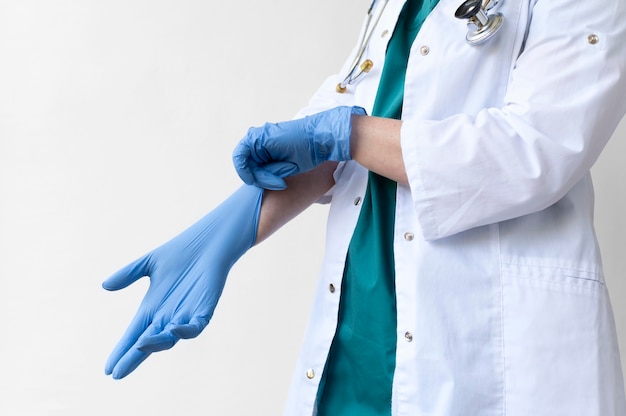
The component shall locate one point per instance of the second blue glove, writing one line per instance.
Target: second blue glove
(187, 276)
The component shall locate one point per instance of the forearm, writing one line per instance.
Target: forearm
(375, 144)
(279, 207)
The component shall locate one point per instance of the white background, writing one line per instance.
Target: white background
(117, 121)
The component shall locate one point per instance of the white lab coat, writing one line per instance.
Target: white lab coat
(501, 300)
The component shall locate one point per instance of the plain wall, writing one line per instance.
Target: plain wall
(117, 122)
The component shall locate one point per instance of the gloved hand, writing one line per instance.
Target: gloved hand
(269, 153)
(187, 275)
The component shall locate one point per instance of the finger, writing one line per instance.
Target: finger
(138, 326)
(159, 342)
(126, 356)
(281, 169)
(129, 274)
(267, 180)
(241, 159)
(171, 335)
(129, 363)
(190, 330)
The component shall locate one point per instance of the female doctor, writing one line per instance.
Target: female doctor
(462, 275)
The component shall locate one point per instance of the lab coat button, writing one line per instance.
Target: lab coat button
(357, 200)
(310, 374)
(424, 50)
(593, 39)
(384, 33)
(408, 336)
(408, 236)
(331, 288)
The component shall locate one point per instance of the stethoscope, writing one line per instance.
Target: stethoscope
(360, 67)
(482, 25)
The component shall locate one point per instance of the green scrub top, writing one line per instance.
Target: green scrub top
(357, 380)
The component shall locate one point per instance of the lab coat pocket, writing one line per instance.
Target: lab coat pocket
(571, 280)
(560, 345)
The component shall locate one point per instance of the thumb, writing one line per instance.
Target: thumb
(129, 274)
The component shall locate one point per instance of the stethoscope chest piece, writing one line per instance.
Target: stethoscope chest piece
(482, 25)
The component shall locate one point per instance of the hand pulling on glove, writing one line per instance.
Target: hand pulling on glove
(269, 153)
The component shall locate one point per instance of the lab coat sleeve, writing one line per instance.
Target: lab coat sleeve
(566, 95)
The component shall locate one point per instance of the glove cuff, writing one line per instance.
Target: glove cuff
(330, 133)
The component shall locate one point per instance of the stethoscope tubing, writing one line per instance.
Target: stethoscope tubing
(363, 43)
(486, 25)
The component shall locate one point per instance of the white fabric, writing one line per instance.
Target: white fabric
(502, 285)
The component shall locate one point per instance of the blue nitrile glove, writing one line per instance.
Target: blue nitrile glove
(187, 275)
(269, 153)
